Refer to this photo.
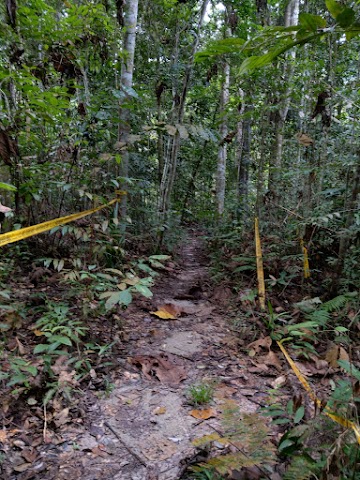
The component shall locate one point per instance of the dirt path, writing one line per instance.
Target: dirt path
(144, 429)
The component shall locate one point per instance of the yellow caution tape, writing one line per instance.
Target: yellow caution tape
(341, 421)
(259, 266)
(305, 260)
(26, 232)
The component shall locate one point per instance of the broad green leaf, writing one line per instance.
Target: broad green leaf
(341, 329)
(286, 443)
(160, 257)
(18, 378)
(122, 298)
(125, 297)
(156, 264)
(334, 7)
(144, 290)
(33, 370)
(112, 300)
(353, 31)
(281, 421)
(346, 18)
(300, 412)
(43, 347)
(61, 339)
(311, 22)
(7, 186)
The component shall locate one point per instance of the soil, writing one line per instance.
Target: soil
(143, 428)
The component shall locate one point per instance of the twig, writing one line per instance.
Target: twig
(45, 422)
(123, 442)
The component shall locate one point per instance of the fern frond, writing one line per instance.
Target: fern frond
(299, 469)
(335, 303)
(320, 316)
(233, 461)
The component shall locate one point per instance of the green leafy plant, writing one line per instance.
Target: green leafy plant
(58, 329)
(200, 393)
(249, 434)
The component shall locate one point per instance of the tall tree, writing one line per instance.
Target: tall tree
(129, 22)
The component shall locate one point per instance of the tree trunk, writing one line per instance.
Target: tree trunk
(291, 18)
(222, 152)
(352, 208)
(126, 82)
(244, 170)
(170, 164)
(239, 139)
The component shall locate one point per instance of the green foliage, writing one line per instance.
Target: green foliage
(200, 393)
(249, 434)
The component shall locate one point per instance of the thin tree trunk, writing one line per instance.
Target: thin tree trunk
(171, 159)
(291, 18)
(244, 170)
(239, 139)
(126, 82)
(352, 208)
(222, 152)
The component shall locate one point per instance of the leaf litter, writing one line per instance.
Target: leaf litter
(144, 427)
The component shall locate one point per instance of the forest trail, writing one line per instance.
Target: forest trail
(144, 429)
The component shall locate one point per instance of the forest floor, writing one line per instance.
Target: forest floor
(143, 427)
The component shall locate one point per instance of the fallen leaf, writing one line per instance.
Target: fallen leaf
(159, 411)
(256, 346)
(22, 467)
(335, 353)
(160, 367)
(29, 454)
(98, 451)
(279, 382)
(62, 417)
(272, 359)
(203, 414)
(38, 333)
(20, 346)
(163, 315)
(3, 436)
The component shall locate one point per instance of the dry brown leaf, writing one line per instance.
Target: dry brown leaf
(20, 346)
(22, 467)
(160, 367)
(335, 353)
(343, 355)
(262, 343)
(163, 315)
(279, 382)
(38, 333)
(203, 414)
(3, 436)
(67, 378)
(29, 454)
(320, 365)
(99, 451)
(159, 411)
(272, 360)
(62, 417)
